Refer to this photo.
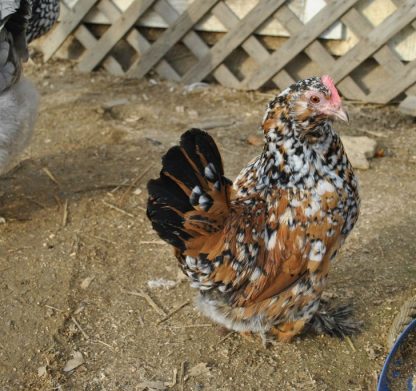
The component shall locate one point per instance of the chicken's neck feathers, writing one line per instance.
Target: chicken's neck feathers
(287, 161)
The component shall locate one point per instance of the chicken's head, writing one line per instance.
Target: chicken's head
(306, 107)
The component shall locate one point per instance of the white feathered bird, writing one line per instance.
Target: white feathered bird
(20, 22)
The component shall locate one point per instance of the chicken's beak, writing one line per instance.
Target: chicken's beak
(341, 114)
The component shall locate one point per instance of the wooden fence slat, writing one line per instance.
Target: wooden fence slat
(317, 53)
(136, 40)
(109, 9)
(231, 40)
(252, 45)
(83, 35)
(141, 45)
(196, 44)
(386, 57)
(118, 29)
(295, 44)
(361, 27)
(171, 36)
(229, 19)
(390, 89)
(374, 40)
(71, 18)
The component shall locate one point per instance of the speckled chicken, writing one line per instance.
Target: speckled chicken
(20, 22)
(259, 250)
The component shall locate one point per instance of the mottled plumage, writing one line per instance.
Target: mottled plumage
(259, 251)
(20, 22)
(44, 15)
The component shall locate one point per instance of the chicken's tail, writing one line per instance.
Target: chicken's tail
(191, 198)
(336, 321)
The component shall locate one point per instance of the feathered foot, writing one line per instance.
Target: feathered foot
(266, 339)
(287, 331)
(335, 321)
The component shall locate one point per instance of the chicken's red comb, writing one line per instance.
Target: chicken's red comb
(329, 83)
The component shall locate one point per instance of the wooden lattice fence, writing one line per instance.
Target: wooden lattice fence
(370, 70)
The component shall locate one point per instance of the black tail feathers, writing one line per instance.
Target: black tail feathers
(335, 321)
(191, 191)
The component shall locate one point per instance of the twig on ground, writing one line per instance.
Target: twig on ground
(53, 308)
(124, 196)
(348, 339)
(103, 343)
(122, 184)
(174, 379)
(141, 321)
(118, 209)
(58, 201)
(173, 312)
(112, 187)
(149, 300)
(35, 202)
(98, 237)
(80, 328)
(190, 326)
(13, 250)
(225, 337)
(76, 245)
(51, 176)
(65, 214)
(152, 242)
(182, 376)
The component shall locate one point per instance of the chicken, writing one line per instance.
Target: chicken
(259, 250)
(44, 15)
(20, 22)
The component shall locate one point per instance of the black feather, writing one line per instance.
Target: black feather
(335, 321)
(195, 140)
(184, 166)
(168, 192)
(176, 164)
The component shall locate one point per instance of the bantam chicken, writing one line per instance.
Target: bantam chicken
(20, 22)
(259, 250)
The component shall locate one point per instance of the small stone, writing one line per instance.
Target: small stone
(113, 103)
(359, 149)
(74, 362)
(199, 369)
(42, 371)
(195, 87)
(112, 109)
(161, 283)
(133, 119)
(193, 114)
(152, 385)
(86, 282)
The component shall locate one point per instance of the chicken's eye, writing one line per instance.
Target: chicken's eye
(315, 99)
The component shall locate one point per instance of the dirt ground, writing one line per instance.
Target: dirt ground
(76, 243)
